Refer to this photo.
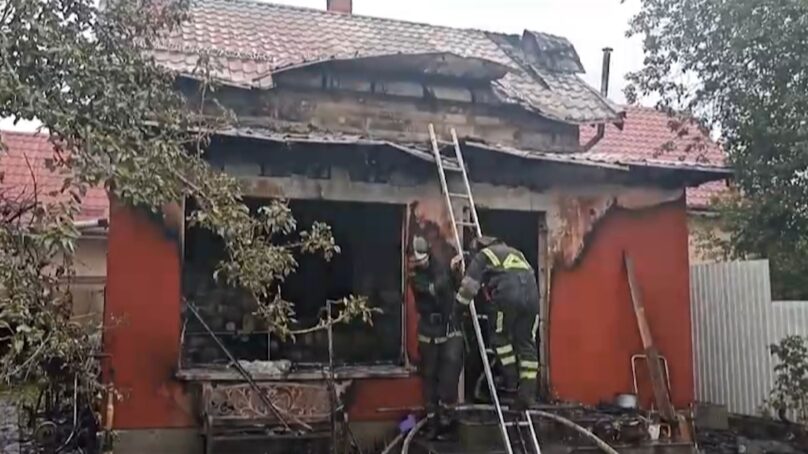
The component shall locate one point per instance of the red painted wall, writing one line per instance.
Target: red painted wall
(143, 305)
(389, 394)
(593, 329)
(143, 310)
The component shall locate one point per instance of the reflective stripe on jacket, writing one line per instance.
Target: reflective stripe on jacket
(490, 266)
(424, 339)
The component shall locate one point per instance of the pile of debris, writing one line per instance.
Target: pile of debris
(751, 435)
(9, 426)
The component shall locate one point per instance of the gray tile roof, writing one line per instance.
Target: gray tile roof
(250, 40)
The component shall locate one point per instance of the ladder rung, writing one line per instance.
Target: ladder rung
(517, 423)
(458, 195)
(466, 224)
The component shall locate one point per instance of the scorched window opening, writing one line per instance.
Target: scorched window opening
(369, 265)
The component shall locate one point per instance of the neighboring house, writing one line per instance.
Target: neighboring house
(654, 136)
(24, 170)
(333, 113)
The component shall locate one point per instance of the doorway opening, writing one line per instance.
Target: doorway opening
(521, 230)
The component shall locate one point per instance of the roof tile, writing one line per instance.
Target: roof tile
(647, 136)
(275, 37)
(25, 170)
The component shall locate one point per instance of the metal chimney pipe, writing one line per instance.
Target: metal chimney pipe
(604, 88)
(604, 75)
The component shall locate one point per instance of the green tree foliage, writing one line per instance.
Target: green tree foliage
(790, 392)
(116, 121)
(741, 67)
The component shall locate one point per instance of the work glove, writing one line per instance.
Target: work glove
(421, 283)
(457, 263)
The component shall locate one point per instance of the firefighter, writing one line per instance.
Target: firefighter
(440, 342)
(511, 288)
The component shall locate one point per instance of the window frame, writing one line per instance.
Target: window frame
(314, 371)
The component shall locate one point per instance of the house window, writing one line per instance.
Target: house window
(370, 265)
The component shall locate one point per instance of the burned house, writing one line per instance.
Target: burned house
(333, 112)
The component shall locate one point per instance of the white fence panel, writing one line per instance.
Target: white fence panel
(731, 306)
(788, 318)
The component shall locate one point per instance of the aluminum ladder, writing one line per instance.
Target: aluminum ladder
(474, 223)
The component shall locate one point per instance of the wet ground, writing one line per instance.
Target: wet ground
(9, 427)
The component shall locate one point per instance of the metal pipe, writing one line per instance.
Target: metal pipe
(604, 84)
(634, 359)
(583, 431)
(405, 448)
(604, 90)
(518, 429)
(244, 373)
(542, 414)
(533, 433)
(480, 407)
(393, 443)
(351, 433)
(604, 74)
(486, 407)
(552, 416)
(332, 392)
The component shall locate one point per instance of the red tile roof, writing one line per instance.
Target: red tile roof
(651, 135)
(23, 166)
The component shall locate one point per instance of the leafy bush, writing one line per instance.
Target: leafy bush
(790, 392)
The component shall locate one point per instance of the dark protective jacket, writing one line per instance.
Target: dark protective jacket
(510, 285)
(502, 269)
(433, 287)
(440, 343)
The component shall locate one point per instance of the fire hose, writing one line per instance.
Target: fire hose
(539, 413)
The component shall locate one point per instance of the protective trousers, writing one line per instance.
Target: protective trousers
(515, 325)
(441, 364)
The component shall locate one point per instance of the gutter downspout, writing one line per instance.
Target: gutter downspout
(604, 90)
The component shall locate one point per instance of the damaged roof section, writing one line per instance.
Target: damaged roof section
(251, 41)
(552, 52)
(442, 64)
(415, 150)
(687, 172)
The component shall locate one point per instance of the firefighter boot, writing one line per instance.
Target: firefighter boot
(508, 387)
(447, 429)
(526, 396)
(432, 428)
